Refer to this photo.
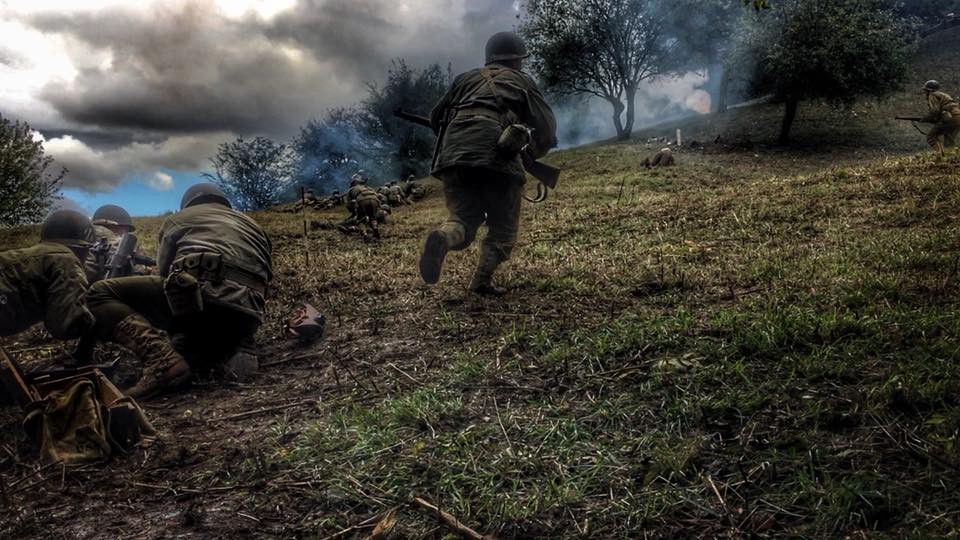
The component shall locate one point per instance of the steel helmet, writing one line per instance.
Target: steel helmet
(111, 214)
(505, 46)
(931, 86)
(68, 227)
(203, 194)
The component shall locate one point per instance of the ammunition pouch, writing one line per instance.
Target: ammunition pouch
(211, 268)
(513, 140)
(182, 290)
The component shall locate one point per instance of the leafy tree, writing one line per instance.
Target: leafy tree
(27, 185)
(832, 50)
(407, 147)
(604, 48)
(254, 174)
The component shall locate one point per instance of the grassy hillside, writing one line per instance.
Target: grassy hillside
(756, 342)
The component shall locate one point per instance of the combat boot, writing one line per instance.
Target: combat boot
(434, 251)
(163, 367)
(482, 282)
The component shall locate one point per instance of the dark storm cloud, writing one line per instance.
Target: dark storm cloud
(190, 69)
(159, 87)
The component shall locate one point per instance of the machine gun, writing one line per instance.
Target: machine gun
(122, 262)
(548, 175)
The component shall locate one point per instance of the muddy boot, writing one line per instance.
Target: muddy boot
(482, 282)
(163, 367)
(434, 251)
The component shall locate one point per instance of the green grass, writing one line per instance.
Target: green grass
(757, 342)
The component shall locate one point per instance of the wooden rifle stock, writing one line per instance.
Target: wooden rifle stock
(546, 174)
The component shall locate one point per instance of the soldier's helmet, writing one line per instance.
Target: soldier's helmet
(203, 194)
(357, 179)
(411, 178)
(505, 46)
(68, 227)
(111, 214)
(931, 86)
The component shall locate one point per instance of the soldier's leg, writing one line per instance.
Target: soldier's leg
(133, 312)
(503, 201)
(465, 215)
(935, 137)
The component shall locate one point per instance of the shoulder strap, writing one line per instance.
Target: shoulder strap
(488, 77)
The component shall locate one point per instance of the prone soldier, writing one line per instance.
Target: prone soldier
(490, 119)
(46, 282)
(215, 265)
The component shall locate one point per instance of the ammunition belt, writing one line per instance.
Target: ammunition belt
(211, 267)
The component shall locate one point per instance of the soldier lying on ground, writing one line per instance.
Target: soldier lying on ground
(46, 282)
(663, 158)
(215, 265)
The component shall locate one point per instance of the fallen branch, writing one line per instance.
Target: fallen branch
(310, 356)
(451, 522)
(248, 414)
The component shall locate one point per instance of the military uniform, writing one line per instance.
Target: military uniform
(365, 203)
(227, 257)
(104, 247)
(480, 184)
(945, 116)
(45, 283)
(395, 195)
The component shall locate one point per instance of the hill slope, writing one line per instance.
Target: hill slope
(754, 342)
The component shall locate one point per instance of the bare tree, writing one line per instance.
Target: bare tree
(27, 187)
(604, 48)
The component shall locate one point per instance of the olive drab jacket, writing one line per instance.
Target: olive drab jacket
(361, 192)
(96, 264)
(245, 251)
(471, 117)
(942, 108)
(45, 283)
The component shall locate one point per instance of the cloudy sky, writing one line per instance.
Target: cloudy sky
(133, 97)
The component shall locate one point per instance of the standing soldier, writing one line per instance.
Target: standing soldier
(482, 123)
(215, 264)
(944, 115)
(46, 282)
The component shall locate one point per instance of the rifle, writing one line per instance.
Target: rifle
(914, 119)
(548, 175)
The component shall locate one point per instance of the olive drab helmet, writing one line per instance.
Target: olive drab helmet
(203, 194)
(68, 227)
(505, 46)
(112, 215)
(931, 86)
(358, 178)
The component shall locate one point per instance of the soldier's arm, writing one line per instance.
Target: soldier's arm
(170, 234)
(540, 117)
(66, 315)
(439, 112)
